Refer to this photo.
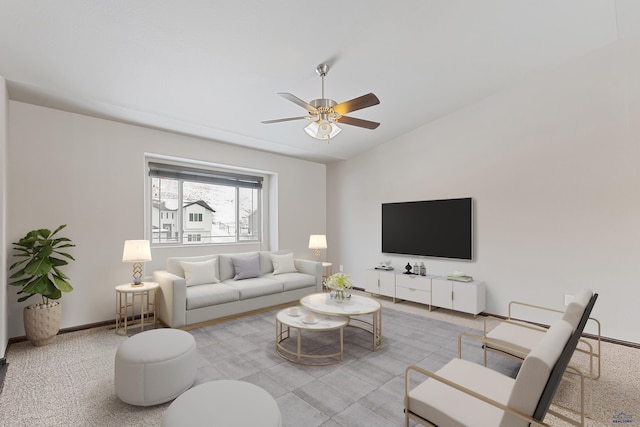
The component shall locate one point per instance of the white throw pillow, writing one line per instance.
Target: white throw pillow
(201, 273)
(283, 264)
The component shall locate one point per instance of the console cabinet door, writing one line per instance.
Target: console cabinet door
(387, 284)
(441, 293)
(469, 297)
(371, 283)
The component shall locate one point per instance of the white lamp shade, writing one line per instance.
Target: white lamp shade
(317, 241)
(136, 251)
(322, 129)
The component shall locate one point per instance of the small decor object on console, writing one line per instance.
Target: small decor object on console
(459, 276)
(408, 268)
(339, 283)
(384, 265)
(423, 269)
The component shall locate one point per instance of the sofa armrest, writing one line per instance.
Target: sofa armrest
(172, 299)
(310, 267)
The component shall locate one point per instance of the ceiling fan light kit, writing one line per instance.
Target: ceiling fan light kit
(324, 113)
(322, 129)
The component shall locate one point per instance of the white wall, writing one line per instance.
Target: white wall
(4, 108)
(552, 165)
(89, 173)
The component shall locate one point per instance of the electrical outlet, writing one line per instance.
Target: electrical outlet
(340, 268)
(568, 299)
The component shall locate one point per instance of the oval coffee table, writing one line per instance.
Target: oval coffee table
(284, 324)
(356, 305)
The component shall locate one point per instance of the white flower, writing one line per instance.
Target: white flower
(339, 281)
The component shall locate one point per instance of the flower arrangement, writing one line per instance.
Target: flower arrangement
(339, 281)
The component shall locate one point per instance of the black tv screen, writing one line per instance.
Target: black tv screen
(433, 228)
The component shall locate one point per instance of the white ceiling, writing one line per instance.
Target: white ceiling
(212, 68)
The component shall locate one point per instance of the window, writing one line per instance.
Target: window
(203, 206)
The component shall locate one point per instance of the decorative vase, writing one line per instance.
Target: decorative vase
(41, 325)
(340, 296)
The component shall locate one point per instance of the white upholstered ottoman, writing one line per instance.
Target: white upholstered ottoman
(223, 403)
(155, 366)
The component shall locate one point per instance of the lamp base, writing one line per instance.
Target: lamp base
(137, 275)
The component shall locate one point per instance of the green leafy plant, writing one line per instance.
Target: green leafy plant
(38, 273)
(339, 281)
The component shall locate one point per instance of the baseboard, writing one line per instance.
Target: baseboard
(3, 372)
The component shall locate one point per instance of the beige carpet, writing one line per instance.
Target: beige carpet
(45, 385)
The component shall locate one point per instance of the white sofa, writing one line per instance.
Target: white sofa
(202, 288)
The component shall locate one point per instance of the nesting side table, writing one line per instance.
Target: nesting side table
(131, 300)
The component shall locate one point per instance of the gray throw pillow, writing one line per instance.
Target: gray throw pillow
(246, 267)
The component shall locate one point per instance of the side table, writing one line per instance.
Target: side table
(127, 298)
(285, 322)
(326, 272)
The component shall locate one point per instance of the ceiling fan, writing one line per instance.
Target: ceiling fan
(324, 113)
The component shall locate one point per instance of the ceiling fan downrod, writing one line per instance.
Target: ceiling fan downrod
(322, 71)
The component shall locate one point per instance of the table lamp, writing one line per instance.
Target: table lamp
(317, 242)
(137, 252)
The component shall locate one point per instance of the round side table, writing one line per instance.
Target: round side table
(326, 272)
(127, 298)
(285, 322)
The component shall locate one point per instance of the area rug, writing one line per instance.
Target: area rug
(70, 382)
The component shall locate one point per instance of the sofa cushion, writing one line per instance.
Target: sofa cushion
(283, 263)
(174, 264)
(293, 281)
(226, 270)
(246, 267)
(256, 287)
(208, 295)
(200, 273)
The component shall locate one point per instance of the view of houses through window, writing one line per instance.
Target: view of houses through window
(203, 207)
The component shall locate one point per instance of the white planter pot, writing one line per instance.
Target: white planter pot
(41, 325)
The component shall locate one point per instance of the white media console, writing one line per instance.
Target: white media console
(434, 291)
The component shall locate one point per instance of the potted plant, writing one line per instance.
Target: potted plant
(339, 283)
(38, 272)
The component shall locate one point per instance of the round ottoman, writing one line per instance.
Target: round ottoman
(155, 366)
(224, 403)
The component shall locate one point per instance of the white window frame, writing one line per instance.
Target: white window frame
(212, 169)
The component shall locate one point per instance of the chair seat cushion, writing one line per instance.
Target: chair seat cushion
(445, 406)
(521, 337)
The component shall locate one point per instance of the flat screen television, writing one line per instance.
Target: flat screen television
(431, 228)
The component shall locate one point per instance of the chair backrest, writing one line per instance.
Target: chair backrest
(535, 371)
(576, 308)
(562, 363)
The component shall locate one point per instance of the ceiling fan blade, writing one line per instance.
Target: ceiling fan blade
(291, 97)
(288, 119)
(358, 122)
(355, 104)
